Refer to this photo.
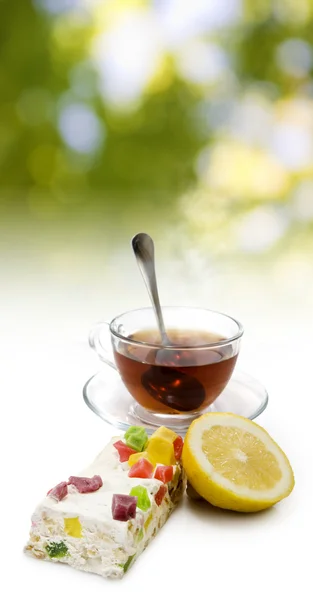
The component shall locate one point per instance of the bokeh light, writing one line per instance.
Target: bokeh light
(127, 56)
(55, 7)
(198, 114)
(294, 57)
(80, 128)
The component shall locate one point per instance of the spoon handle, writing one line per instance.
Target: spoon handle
(143, 248)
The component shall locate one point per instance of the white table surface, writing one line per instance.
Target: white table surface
(47, 433)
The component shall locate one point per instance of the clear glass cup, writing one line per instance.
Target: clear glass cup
(177, 382)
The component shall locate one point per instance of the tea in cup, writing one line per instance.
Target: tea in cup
(182, 379)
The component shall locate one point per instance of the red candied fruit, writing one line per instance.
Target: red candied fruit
(164, 474)
(86, 484)
(142, 468)
(124, 451)
(160, 494)
(178, 447)
(123, 507)
(59, 491)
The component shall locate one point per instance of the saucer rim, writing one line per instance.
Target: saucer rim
(124, 426)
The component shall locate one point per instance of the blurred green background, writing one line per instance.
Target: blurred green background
(192, 120)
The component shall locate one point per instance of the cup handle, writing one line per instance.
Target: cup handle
(94, 342)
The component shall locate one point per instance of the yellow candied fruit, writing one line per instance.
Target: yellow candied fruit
(73, 527)
(160, 446)
(135, 457)
(148, 521)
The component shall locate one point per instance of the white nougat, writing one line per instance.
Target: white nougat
(79, 530)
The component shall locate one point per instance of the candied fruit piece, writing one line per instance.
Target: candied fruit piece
(160, 446)
(59, 491)
(124, 451)
(136, 438)
(177, 474)
(164, 474)
(86, 484)
(143, 500)
(56, 549)
(142, 468)
(128, 563)
(160, 494)
(165, 433)
(148, 521)
(123, 507)
(137, 456)
(140, 535)
(178, 447)
(72, 527)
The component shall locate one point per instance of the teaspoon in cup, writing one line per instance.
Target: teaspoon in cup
(143, 248)
(167, 385)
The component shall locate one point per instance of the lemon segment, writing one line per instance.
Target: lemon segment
(234, 463)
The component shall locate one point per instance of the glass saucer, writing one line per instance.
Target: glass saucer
(106, 396)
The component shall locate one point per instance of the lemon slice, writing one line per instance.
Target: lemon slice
(234, 463)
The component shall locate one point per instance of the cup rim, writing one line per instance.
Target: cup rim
(221, 343)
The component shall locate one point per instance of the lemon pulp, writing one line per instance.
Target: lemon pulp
(235, 454)
(234, 463)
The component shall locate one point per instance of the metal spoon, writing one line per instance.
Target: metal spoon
(143, 248)
(165, 383)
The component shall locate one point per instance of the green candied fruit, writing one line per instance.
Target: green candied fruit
(136, 438)
(56, 549)
(128, 563)
(143, 500)
(140, 535)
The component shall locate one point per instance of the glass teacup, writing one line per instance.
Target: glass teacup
(179, 381)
